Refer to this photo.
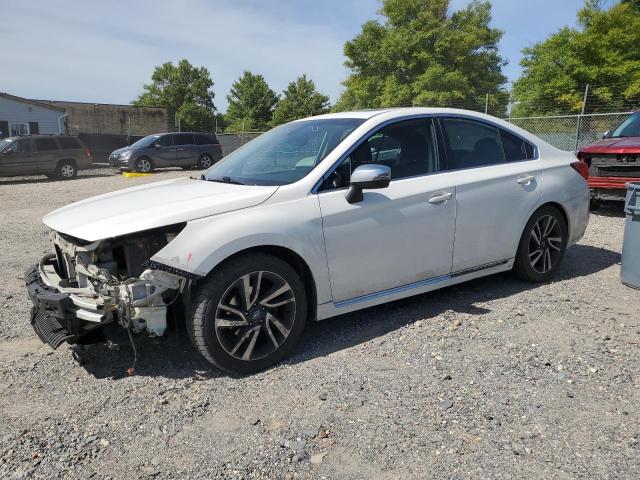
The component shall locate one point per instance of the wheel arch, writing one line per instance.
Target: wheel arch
(290, 257)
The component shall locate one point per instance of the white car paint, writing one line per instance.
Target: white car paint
(392, 245)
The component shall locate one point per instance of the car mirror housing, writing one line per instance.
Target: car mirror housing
(605, 134)
(367, 177)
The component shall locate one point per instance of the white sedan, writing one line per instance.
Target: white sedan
(316, 218)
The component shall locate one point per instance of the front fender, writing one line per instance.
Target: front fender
(296, 225)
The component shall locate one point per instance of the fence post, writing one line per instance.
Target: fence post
(242, 141)
(486, 105)
(584, 106)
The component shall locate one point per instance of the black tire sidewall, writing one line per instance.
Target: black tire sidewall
(523, 268)
(202, 167)
(62, 164)
(138, 160)
(213, 290)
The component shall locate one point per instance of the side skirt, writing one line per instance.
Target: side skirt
(332, 309)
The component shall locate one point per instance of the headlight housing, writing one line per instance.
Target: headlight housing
(125, 155)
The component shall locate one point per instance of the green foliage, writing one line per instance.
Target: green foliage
(251, 103)
(423, 55)
(603, 52)
(299, 100)
(185, 89)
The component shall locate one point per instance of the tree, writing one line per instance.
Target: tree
(251, 103)
(299, 100)
(603, 52)
(424, 55)
(185, 89)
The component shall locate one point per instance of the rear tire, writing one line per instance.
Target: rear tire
(248, 314)
(542, 246)
(66, 169)
(205, 161)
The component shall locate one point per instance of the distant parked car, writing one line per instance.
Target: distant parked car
(185, 150)
(614, 161)
(58, 156)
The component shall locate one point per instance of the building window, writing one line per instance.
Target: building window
(18, 129)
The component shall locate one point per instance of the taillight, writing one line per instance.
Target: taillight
(582, 168)
(87, 152)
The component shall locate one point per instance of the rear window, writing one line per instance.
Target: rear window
(206, 139)
(45, 144)
(68, 143)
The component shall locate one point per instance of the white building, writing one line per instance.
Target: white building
(20, 116)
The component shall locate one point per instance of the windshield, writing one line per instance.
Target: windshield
(4, 143)
(146, 141)
(629, 128)
(285, 154)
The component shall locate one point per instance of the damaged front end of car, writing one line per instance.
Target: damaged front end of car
(84, 286)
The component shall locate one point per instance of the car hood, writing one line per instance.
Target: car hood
(152, 206)
(122, 150)
(614, 145)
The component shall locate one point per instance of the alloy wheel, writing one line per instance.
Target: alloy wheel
(144, 165)
(255, 315)
(205, 162)
(545, 244)
(67, 170)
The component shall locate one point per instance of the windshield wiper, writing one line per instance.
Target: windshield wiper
(225, 180)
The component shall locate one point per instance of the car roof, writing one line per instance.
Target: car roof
(395, 112)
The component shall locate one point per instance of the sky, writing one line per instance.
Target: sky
(103, 52)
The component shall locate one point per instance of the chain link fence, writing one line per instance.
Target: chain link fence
(570, 132)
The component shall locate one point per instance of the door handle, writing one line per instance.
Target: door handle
(440, 198)
(172, 150)
(181, 150)
(525, 179)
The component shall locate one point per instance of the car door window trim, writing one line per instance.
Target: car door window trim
(365, 137)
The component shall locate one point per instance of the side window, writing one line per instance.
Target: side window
(45, 144)
(68, 143)
(204, 140)
(20, 146)
(471, 144)
(183, 139)
(166, 141)
(408, 148)
(515, 148)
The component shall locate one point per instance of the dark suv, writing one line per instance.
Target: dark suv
(185, 150)
(52, 155)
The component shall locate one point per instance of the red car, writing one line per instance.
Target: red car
(614, 161)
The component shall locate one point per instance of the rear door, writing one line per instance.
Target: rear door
(186, 150)
(45, 155)
(498, 184)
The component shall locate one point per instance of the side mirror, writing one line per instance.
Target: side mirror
(367, 177)
(7, 151)
(605, 134)
(157, 145)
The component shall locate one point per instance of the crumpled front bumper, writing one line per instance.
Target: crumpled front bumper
(55, 315)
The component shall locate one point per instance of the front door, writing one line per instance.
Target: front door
(498, 184)
(396, 236)
(164, 155)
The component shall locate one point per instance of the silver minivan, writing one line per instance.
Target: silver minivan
(184, 149)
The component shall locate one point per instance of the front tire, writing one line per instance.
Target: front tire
(248, 314)
(542, 246)
(144, 165)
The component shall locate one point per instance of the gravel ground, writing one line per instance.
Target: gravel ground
(491, 379)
